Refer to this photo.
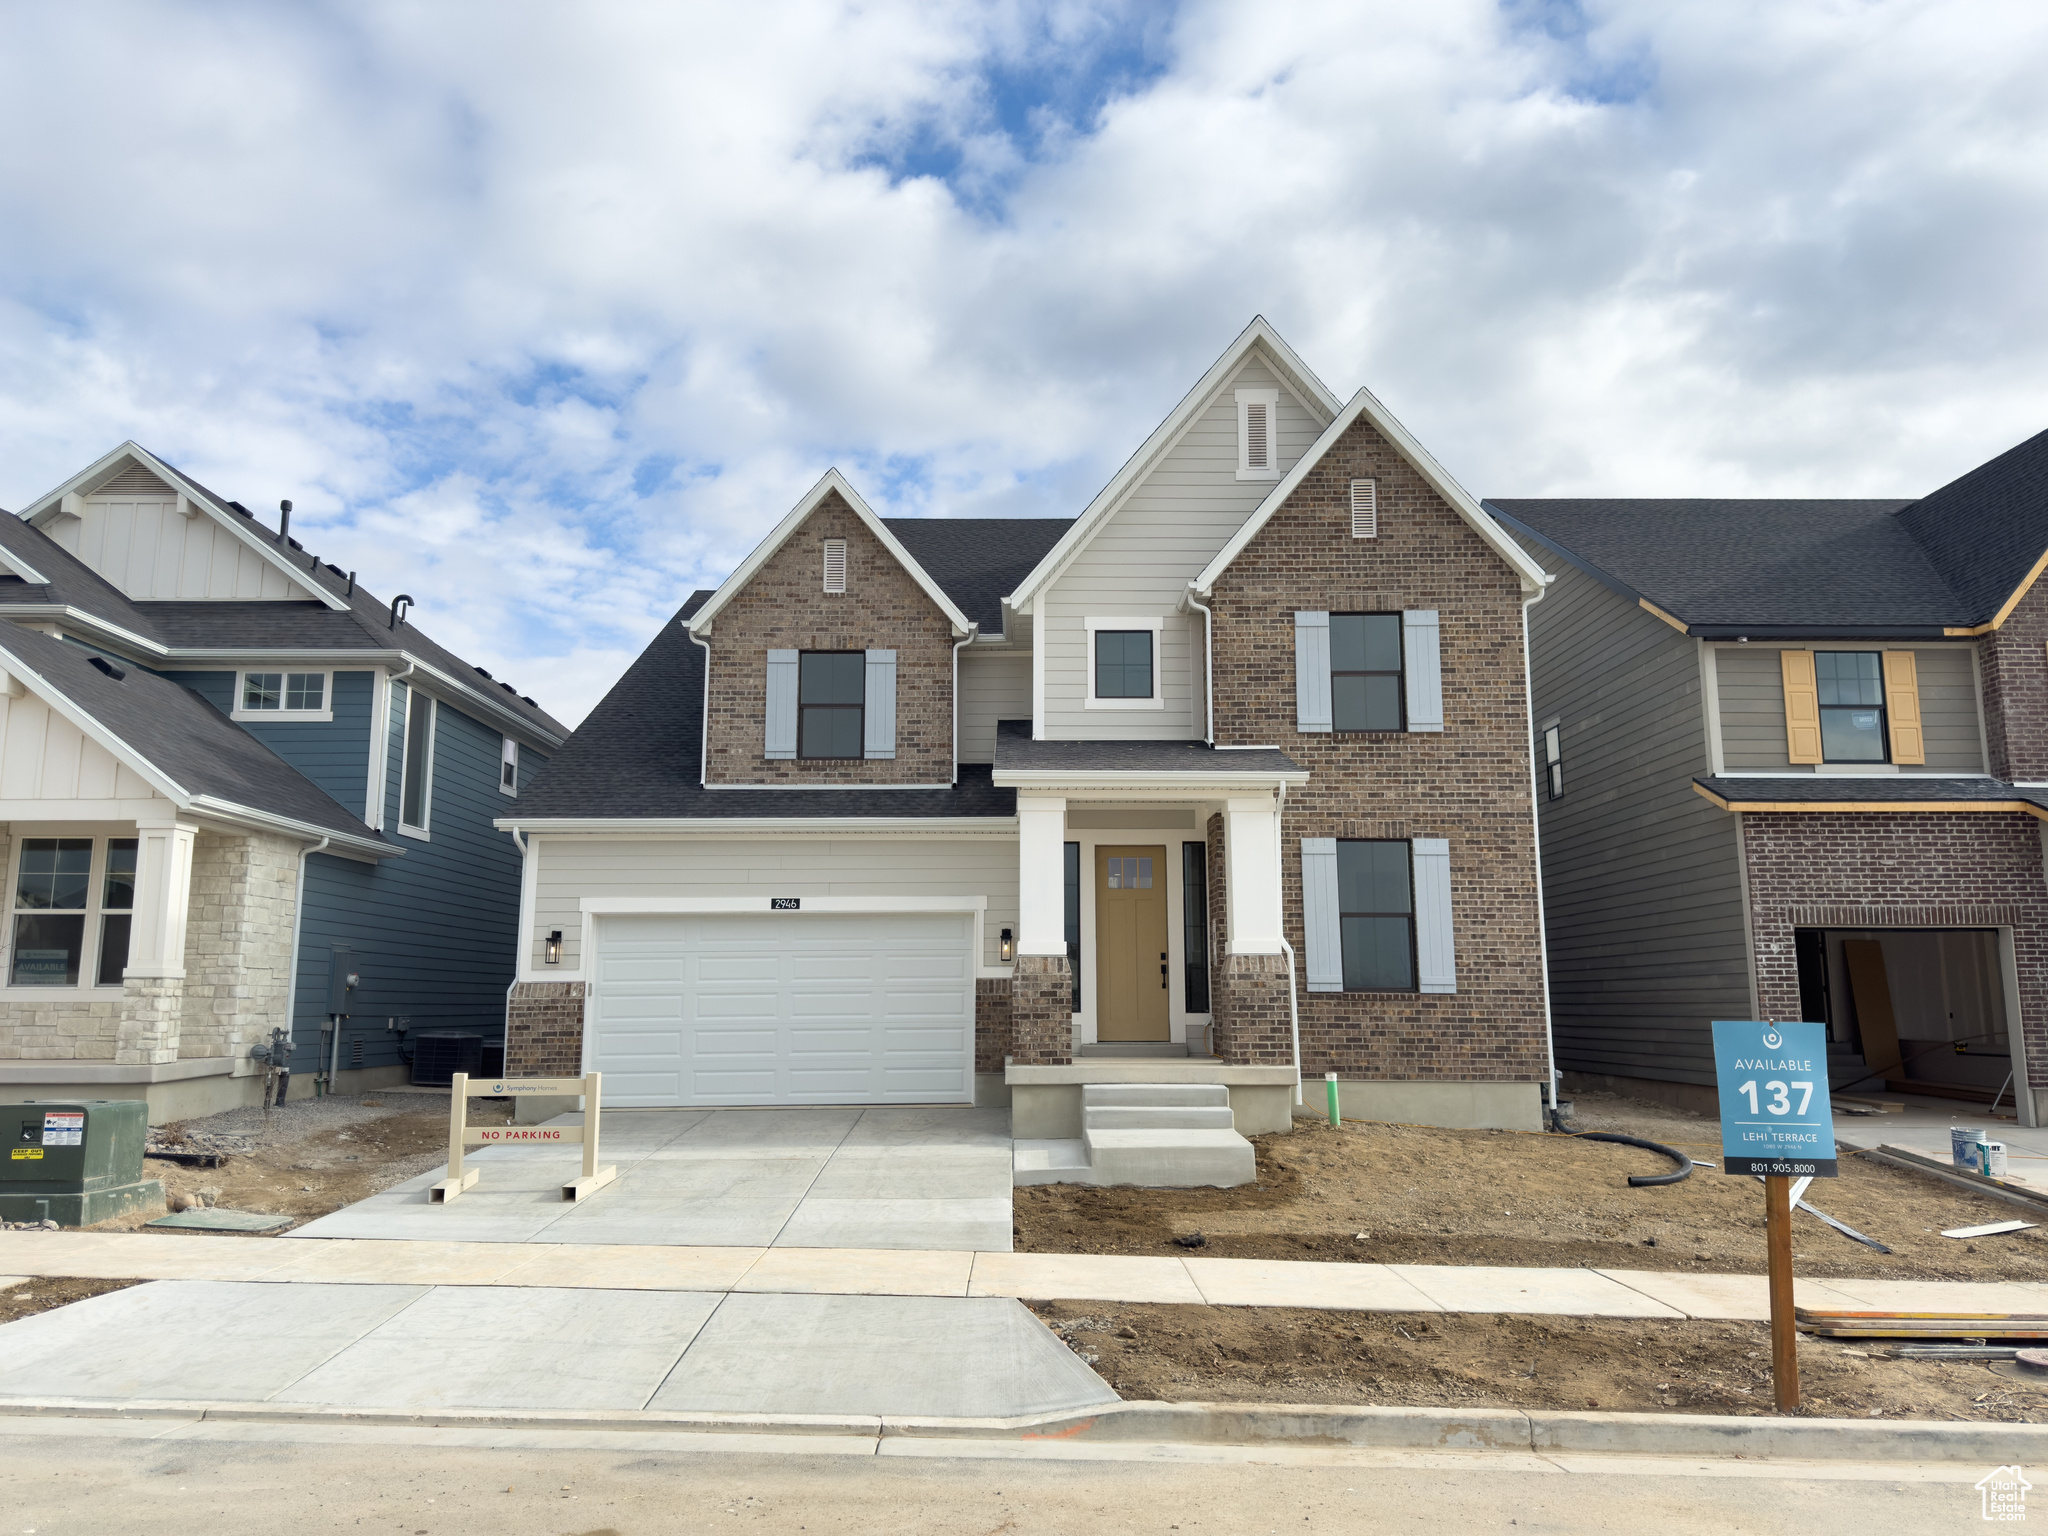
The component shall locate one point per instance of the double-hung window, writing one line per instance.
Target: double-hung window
(1851, 688)
(416, 771)
(1359, 672)
(1376, 910)
(282, 696)
(1376, 914)
(831, 703)
(64, 928)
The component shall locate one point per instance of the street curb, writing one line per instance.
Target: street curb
(1210, 1424)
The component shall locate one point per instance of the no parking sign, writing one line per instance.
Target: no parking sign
(1775, 1115)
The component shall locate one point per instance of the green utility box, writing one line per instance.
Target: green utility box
(74, 1162)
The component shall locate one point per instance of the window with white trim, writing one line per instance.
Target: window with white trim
(1258, 420)
(1553, 760)
(835, 566)
(1123, 663)
(67, 926)
(508, 767)
(416, 766)
(282, 695)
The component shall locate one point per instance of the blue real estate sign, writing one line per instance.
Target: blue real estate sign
(1775, 1116)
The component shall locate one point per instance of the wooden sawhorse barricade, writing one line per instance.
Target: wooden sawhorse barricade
(462, 1134)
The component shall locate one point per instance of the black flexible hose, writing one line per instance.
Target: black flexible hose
(1645, 1180)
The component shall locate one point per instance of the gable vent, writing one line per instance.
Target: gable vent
(1365, 510)
(1258, 436)
(835, 565)
(136, 481)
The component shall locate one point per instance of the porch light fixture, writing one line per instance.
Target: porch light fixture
(555, 947)
(1009, 946)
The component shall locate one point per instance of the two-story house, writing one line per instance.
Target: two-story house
(1796, 765)
(1225, 779)
(238, 793)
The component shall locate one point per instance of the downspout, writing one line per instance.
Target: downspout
(1536, 843)
(291, 992)
(1279, 867)
(972, 630)
(1208, 664)
(704, 723)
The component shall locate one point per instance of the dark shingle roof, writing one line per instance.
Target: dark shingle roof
(1949, 559)
(637, 755)
(1015, 750)
(978, 560)
(203, 751)
(1874, 788)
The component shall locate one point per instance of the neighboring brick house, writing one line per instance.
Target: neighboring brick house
(978, 810)
(228, 774)
(1801, 768)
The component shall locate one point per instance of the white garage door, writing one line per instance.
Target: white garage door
(784, 1008)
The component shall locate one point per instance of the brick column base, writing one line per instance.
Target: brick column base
(544, 1029)
(1248, 998)
(991, 1022)
(1042, 1012)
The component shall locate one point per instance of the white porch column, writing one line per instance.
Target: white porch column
(1251, 875)
(163, 901)
(1041, 875)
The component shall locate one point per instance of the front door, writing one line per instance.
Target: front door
(1130, 944)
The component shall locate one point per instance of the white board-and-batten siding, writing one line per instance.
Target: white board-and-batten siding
(1752, 688)
(993, 686)
(572, 868)
(44, 757)
(1141, 560)
(131, 532)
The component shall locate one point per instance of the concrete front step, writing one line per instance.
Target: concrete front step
(1171, 1159)
(1156, 1117)
(1104, 1095)
(1050, 1162)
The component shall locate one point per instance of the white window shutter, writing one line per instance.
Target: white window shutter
(1312, 672)
(835, 565)
(1365, 509)
(1320, 920)
(1422, 660)
(880, 713)
(1436, 954)
(782, 675)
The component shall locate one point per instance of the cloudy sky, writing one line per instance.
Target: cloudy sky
(546, 312)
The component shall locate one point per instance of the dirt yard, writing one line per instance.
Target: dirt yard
(1373, 1193)
(1288, 1355)
(46, 1295)
(315, 1156)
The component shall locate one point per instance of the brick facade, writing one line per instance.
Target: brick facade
(2013, 663)
(992, 1040)
(1470, 784)
(1042, 1012)
(544, 1029)
(1902, 869)
(784, 607)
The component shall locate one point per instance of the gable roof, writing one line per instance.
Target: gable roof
(1365, 404)
(243, 527)
(1259, 336)
(978, 559)
(828, 483)
(638, 754)
(189, 751)
(1952, 563)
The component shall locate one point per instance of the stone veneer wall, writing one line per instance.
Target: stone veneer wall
(1469, 784)
(991, 1023)
(1931, 869)
(62, 1029)
(1042, 1012)
(544, 1029)
(238, 942)
(785, 607)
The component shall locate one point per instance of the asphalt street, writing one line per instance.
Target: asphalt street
(67, 1478)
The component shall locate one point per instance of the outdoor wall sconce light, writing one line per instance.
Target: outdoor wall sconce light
(1009, 947)
(555, 947)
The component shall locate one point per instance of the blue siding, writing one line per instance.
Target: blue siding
(335, 755)
(434, 933)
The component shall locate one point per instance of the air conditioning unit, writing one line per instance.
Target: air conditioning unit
(438, 1055)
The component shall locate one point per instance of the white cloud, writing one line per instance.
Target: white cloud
(545, 313)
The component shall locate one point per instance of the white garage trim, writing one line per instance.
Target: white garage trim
(640, 905)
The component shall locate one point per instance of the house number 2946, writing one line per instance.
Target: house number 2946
(1777, 1097)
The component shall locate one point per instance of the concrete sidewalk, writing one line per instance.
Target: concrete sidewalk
(967, 1274)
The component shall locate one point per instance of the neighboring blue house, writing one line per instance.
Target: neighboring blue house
(230, 780)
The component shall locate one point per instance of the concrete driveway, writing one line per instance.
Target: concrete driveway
(750, 1178)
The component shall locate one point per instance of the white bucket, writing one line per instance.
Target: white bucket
(1962, 1145)
(1990, 1158)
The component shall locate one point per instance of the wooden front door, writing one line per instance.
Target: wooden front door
(1131, 993)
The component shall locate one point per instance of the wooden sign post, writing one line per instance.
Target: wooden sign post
(462, 1134)
(1776, 1122)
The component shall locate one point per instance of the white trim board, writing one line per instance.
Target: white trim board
(642, 906)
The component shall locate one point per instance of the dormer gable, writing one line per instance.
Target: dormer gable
(158, 535)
